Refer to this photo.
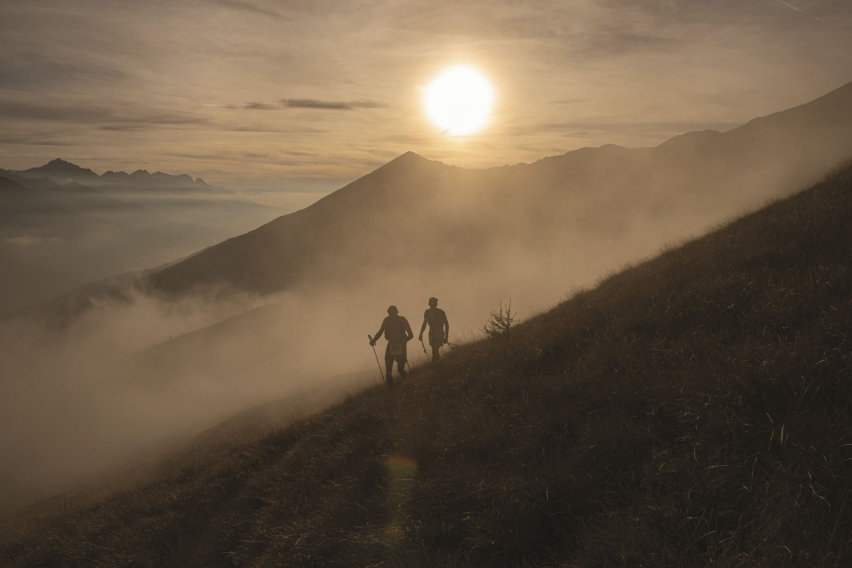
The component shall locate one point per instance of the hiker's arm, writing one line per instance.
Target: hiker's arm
(422, 327)
(446, 329)
(409, 335)
(378, 334)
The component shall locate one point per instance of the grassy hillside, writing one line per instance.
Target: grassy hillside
(688, 411)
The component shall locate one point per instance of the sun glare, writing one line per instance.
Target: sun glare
(459, 100)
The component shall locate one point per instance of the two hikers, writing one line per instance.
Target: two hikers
(397, 331)
(439, 327)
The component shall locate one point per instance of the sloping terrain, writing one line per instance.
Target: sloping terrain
(609, 202)
(688, 411)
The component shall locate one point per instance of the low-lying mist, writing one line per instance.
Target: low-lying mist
(135, 375)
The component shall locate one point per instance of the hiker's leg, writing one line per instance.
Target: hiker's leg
(389, 369)
(436, 341)
(402, 360)
(435, 344)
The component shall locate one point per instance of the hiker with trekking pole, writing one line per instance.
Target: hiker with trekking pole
(439, 328)
(398, 333)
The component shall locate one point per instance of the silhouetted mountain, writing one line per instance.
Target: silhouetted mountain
(296, 247)
(610, 201)
(157, 181)
(61, 171)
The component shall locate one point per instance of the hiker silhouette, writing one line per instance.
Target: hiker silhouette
(398, 333)
(439, 327)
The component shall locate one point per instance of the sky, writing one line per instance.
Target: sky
(303, 96)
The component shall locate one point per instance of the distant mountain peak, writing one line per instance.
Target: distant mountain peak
(58, 166)
(410, 158)
(59, 162)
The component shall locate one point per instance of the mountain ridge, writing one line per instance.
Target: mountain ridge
(61, 171)
(690, 180)
(60, 167)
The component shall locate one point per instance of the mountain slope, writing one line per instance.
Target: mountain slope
(314, 243)
(609, 199)
(692, 410)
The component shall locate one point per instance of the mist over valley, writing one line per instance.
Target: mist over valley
(64, 226)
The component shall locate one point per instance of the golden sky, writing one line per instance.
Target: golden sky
(306, 95)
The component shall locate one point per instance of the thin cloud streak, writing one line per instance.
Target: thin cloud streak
(260, 106)
(252, 8)
(313, 104)
(328, 105)
(92, 114)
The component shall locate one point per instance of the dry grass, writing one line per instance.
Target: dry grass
(691, 410)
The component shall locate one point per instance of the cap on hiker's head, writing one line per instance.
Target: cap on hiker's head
(433, 300)
(392, 310)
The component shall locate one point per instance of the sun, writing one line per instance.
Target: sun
(459, 100)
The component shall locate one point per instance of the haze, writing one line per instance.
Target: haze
(305, 96)
(288, 101)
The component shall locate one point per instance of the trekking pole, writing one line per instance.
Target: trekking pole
(382, 373)
(424, 347)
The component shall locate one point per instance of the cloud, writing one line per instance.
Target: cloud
(249, 7)
(36, 71)
(65, 113)
(239, 156)
(108, 118)
(260, 106)
(825, 13)
(789, 5)
(329, 105)
(27, 241)
(316, 104)
(35, 139)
